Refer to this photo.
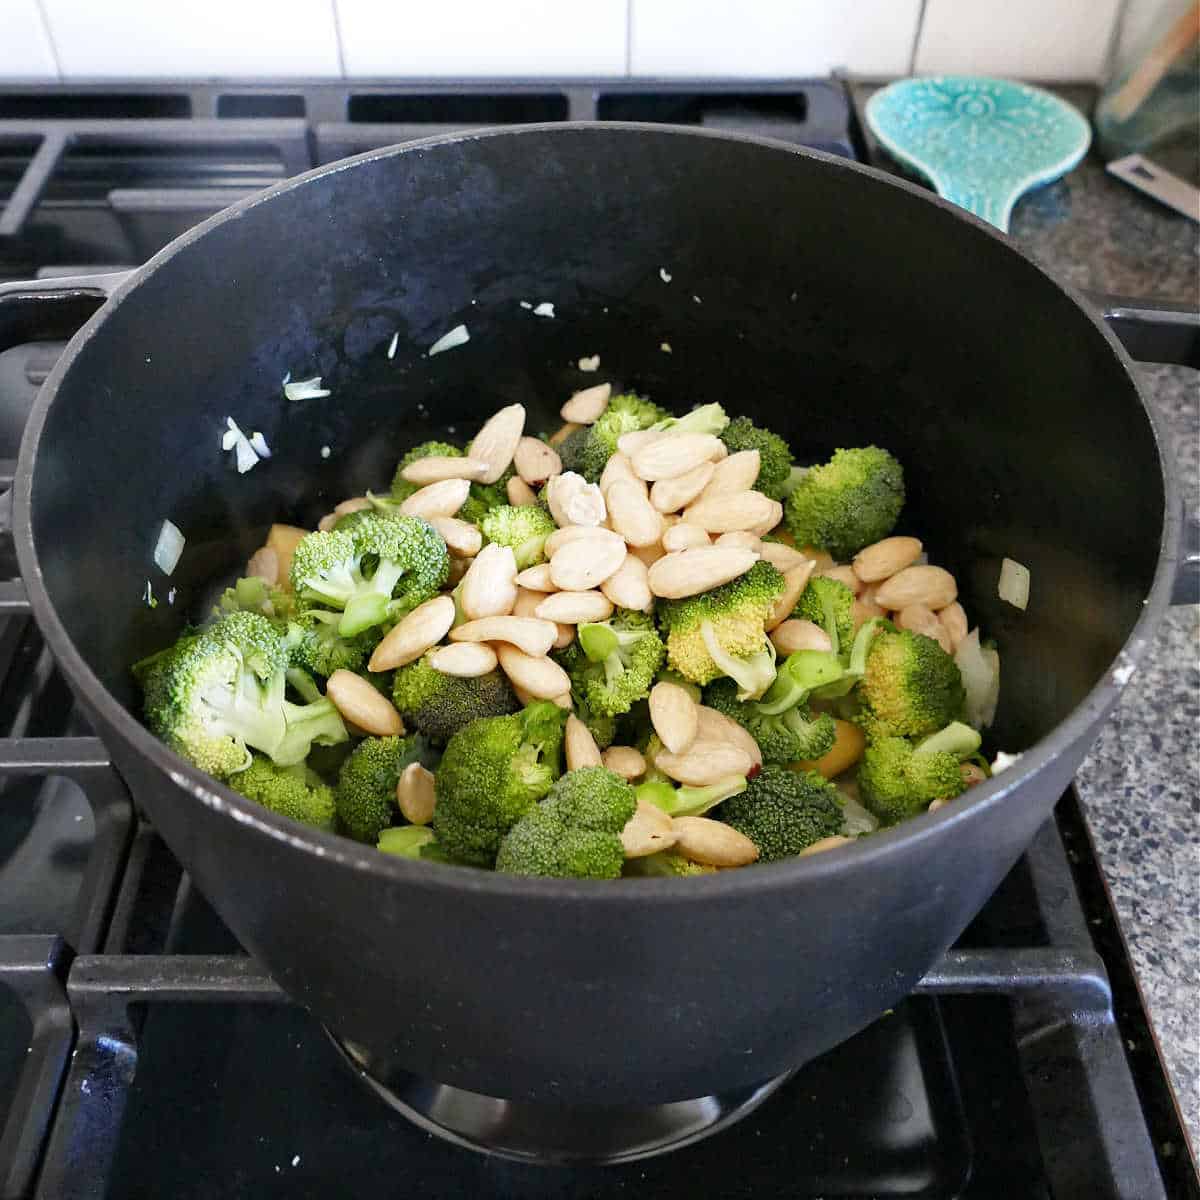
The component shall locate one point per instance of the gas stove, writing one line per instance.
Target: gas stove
(143, 1053)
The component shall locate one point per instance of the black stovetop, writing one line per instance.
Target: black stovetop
(142, 1054)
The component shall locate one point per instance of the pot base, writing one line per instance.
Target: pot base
(554, 1134)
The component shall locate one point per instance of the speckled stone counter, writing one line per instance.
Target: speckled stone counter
(1141, 784)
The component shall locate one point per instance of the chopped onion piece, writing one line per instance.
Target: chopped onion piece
(171, 596)
(391, 350)
(258, 444)
(246, 458)
(325, 452)
(525, 304)
(148, 596)
(1014, 583)
(168, 548)
(1003, 761)
(456, 337)
(664, 274)
(545, 309)
(306, 389)
(856, 819)
(230, 436)
(590, 364)
(980, 671)
(665, 347)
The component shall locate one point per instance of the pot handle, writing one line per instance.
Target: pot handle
(1166, 333)
(39, 309)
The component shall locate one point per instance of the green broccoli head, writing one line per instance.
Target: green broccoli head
(792, 735)
(897, 780)
(850, 502)
(218, 693)
(910, 687)
(290, 791)
(492, 772)
(315, 645)
(666, 864)
(775, 459)
(365, 796)
(613, 663)
(722, 631)
(401, 488)
(376, 572)
(523, 529)
(256, 595)
(483, 497)
(440, 705)
(575, 832)
(829, 603)
(580, 670)
(588, 449)
(783, 812)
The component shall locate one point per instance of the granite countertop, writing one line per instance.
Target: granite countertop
(1140, 785)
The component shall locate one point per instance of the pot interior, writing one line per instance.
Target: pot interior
(827, 304)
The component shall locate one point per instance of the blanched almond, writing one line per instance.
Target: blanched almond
(771, 522)
(673, 715)
(536, 579)
(630, 443)
(743, 538)
(539, 676)
(863, 611)
(691, 572)
(737, 473)
(670, 495)
(673, 455)
(569, 533)
(585, 407)
(362, 705)
(520, 494)
(458, 568)
(795, 581)
(826, 843)
(918, 619)
(535, 461)
(629, 586)
(647, 555)
(462, 539)
(735, 510)
(782, 557)
(575, 608)
(580, 746)
(415, 795)
(436, 468)
(648, 831)
(442, 499)
(931, 586)
(713, 843)
(705, 762)
(564, 637)
(683, 536)
(822, 557)
(954, 620)
(586, 563)
(713, 726)
(284, 539)
(619, 468)
(531, 635)
(796, 634)
(425, 626)
(355, 504)
(883, 559)
(489, 588)
(327, 522)
(632, 515)
(842, 574)
(263, 564)
(624, 761)
(467, 660)
(563, 432)
(528, 603)
(496, 443)
(574, 501)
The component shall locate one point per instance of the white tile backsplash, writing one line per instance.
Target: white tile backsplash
(193, 38)
(1025, 39)
(757, 38)
(25, 50)
(483, 37)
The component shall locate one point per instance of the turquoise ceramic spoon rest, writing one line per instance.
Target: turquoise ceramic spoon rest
(981, 142)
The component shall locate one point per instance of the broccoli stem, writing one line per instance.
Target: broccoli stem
(363, 612)
(803, 672)
(753, 675)
(958, 739)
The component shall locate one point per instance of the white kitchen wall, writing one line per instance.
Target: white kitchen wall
(89, 39)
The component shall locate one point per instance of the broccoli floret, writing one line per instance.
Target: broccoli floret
(366, 788)
(440, 705)
(315, 645)
(290, 791)
(666, 864)
(851, 501)
(910, 687)
(215, 694)
(782, 812)
(401, 488)
(688, 801)
(407, 841)
(722, 631)
(380, 570)
(588, 449)
(775, 459)
(829, 603)
(492, 772)
(897, 780)
(575, 833)
(256, 595)
(524, 529)
(483, 497)
(615, 663)
(793, 734)
(708, 418)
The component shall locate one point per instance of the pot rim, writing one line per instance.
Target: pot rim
(346, 853)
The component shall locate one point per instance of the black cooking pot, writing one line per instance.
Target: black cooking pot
(822, 299)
